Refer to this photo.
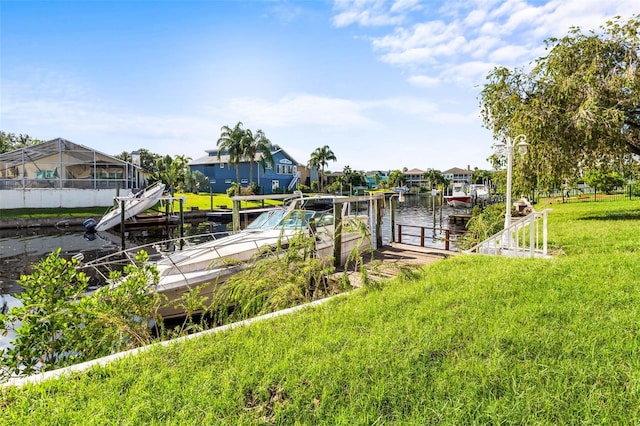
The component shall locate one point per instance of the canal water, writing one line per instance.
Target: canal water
(21, 248)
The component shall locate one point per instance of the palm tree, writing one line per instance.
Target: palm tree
(231, 141)
(173, 172)
(254, 144)
(320, 159)
(434, 177)
(397, 178)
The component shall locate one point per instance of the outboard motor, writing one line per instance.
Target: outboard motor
(90, 225)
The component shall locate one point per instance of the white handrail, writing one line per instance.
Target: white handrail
(515, 241)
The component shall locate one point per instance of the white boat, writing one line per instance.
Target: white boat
(479, 192)
(460, 196)
(134, 204)
(213, 262)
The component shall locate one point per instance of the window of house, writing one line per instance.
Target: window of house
(244, 180)
(284, 169)
(227, 181)
(222, 165)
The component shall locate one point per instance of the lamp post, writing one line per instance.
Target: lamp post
(510, 144)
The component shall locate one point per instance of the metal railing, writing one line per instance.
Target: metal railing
(427, 233)
(526, 237)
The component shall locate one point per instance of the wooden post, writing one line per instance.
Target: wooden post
(378, 205)
(422, 236)
(400, 234)
(236, 215)
(447, 235)
(122, 202)
(181, 218)
(433, 197)
(393, 219)
(337, 236)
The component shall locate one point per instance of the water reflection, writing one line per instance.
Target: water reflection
(21, 248)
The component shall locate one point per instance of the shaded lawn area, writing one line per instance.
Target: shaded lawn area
(470, 339)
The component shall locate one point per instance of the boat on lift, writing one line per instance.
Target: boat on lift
(133, 204)
(460, 196)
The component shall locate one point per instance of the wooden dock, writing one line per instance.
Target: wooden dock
(459, 218)
(391, 259)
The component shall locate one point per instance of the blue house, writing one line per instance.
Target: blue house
(283, 176)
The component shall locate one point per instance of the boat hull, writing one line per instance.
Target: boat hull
(176, 285)
(459, 201)
(133, 206)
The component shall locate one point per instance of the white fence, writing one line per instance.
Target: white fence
(57, 198)
(526, 237)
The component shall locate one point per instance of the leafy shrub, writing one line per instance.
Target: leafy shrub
(234, 189)
(58, 324)
(483, 224)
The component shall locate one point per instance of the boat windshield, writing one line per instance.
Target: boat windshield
(267, 220)
(292, 219)
(296, 219)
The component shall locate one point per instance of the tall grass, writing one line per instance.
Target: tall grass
(469, 340)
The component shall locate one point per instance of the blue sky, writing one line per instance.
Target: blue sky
(386, 84)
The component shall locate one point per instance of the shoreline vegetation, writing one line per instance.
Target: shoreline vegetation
(469, 339)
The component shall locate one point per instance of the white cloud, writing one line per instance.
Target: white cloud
(298, 109)
(473, 35)
(509, 54)
(370, 13)
(424, 81)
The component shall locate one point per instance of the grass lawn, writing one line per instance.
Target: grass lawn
(468, 340)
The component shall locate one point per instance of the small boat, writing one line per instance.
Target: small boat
(134, 204)
(479, 192)
(460, 196)
(212, 262)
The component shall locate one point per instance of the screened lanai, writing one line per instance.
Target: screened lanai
(59, 163)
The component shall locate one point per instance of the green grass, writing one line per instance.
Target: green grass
(50, 212)
(203, 201)
(470, 340)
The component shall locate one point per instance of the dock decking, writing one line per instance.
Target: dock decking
(391, 259)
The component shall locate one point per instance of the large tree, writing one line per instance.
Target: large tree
(254, 144)
(319, 159)
(231, 142)
(434, 177)
(579, 106)
(148, 159)
(174, 172)
(397, 178)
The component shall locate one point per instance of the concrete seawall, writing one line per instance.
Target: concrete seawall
(57, 222)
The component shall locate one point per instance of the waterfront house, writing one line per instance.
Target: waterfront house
(458, 175)
(60, 173)
(282, 176)
(373, 178)
(414, 177)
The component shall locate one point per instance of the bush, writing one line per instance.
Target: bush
(483, 224)
(234, 189)
(59, 325)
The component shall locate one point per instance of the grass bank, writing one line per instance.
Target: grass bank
(470, 339)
